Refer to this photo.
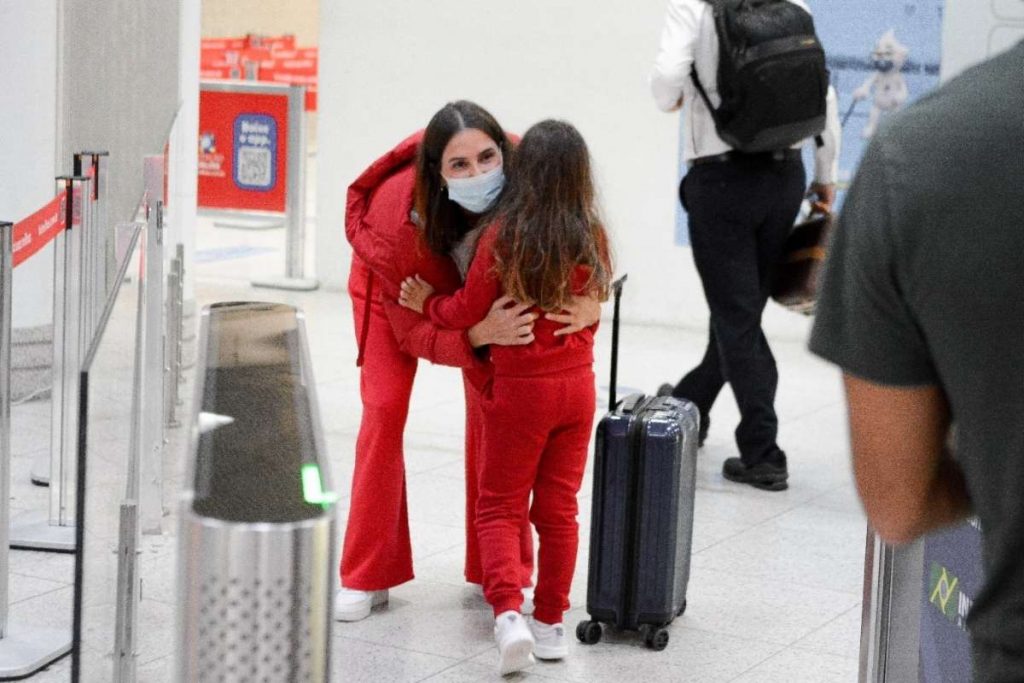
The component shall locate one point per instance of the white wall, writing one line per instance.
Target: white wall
(28, 126)
(386, 66)
(973, 31)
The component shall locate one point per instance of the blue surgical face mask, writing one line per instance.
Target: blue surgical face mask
(477, 194)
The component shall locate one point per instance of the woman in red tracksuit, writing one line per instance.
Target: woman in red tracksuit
(391, 240)
(545, 245)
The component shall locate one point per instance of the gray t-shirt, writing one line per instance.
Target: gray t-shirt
(925, 285)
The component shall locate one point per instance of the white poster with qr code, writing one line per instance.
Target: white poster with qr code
(255, 152)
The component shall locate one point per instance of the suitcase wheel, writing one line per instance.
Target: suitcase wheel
(654, 638)
(588, 632)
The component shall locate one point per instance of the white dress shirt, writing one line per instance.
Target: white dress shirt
(689, 37)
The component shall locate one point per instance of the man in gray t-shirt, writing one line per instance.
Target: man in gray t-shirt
(922, 307)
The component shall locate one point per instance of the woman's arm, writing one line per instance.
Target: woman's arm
(582, 312)
(504, 325)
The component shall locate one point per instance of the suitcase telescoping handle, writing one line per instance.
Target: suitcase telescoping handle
(617, 293)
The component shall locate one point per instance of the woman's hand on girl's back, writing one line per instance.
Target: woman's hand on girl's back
(580, 313)
(505, 325)
(415, 291)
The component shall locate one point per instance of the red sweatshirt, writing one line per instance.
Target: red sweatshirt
(388, 245)
(461, 310)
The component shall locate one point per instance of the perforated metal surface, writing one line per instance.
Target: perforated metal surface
(254, 630)
(256, 603)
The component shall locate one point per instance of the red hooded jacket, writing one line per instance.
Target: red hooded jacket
(389, 247)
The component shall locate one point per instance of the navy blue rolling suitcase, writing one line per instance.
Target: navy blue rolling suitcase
(642, 520)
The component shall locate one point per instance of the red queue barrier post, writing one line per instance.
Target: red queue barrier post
(55, 530)
(252, 162)
(23, 650)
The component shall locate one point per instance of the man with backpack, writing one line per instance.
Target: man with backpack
(752, 74)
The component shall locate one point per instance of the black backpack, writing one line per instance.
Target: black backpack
(771, 75)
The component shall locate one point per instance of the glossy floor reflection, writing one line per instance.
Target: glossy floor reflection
(776, 582)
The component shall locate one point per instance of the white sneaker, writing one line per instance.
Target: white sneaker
(515, 642)
(353, 605)
(549, 640)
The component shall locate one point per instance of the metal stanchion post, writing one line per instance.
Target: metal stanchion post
(55, 531)
(128, 589)
(171, 349)
(96, 235)
(295, 201)
(874, 636)
(23, 650)
(179, 251)
(891, 611)
(151, 412)
(6, 304)
(85, 215)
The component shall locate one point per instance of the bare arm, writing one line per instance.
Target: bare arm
(906, 477)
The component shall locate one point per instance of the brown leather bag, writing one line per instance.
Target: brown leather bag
(798, 273)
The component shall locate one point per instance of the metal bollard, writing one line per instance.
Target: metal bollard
(257, 523)
(24, 649)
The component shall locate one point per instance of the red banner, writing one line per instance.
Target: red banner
(272, 59)
(243, 151)
(35, 232)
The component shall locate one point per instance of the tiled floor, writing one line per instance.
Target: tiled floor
(775, 590)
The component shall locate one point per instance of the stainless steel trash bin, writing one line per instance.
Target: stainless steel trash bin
(257, 523)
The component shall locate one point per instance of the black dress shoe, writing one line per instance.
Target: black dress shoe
(770, 474)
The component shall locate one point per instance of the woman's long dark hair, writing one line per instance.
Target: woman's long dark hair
(444, 222)
(549, 221)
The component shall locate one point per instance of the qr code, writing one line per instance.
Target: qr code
(254, 167)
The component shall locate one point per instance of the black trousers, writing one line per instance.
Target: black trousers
(740, 212)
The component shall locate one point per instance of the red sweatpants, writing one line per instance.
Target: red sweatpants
(377, 552)
(474, 464)
(536, 439)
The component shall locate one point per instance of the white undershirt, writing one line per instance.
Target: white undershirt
(689, 36)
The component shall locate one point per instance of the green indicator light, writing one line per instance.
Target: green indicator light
(313, 489)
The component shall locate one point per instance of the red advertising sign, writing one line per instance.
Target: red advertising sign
(243, 150)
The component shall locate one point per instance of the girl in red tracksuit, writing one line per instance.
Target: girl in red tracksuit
(546, 244)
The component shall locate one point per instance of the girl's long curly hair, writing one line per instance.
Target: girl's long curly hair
(444, 222)
(549, 220)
